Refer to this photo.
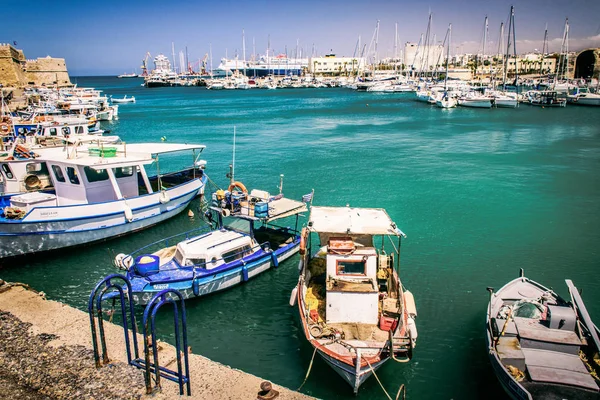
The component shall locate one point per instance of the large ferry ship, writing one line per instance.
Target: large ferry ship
(265, 65)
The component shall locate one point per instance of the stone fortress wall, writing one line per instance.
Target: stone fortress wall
(17, 71)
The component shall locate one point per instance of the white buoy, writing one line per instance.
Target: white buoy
(163, 197)
(128, 213)
(293, 296)
(190, 214)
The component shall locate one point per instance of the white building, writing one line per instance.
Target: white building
(332, 65)
(423, 58)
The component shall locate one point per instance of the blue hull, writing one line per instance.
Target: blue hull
(231, 275)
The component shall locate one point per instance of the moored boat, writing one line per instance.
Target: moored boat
(205, 261)
(584, 98)
(540, 345)
(545, 98)
(353, 308)
(125, 99)
(92, 193)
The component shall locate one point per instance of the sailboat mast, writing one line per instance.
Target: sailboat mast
(244, 50)
(447, 56)
(173, 52)
(508, 48)
(512, 21)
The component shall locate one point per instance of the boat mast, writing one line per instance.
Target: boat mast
(485, 32)
(396, 48)
(449, 35)
(232, 166)
(510, 22)
(173, 53)
(244, 50)
(564, 54)
(544, 49)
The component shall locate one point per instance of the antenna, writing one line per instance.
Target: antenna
(233, 161)
(280, 183)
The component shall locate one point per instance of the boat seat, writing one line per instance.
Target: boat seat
(511, 328)
(562, 377)
(558, 368)
(510, 352)
(535, 335)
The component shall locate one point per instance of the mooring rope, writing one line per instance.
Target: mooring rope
(309, 368)
(402, 388)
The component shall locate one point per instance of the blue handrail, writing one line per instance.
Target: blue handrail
(100, 293)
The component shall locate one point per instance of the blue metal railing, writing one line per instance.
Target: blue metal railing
(167, 296)
(104, 290)
(107, 289)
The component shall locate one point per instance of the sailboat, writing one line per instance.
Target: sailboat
(447, 101)
(555, 97)
(503, 98)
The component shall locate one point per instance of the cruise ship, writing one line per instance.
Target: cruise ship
(279, 65)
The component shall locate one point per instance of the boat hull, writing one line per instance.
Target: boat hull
(51, 228)
(347, 373)
(484, 103)
(221, 281)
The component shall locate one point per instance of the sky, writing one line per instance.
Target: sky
(112, 37)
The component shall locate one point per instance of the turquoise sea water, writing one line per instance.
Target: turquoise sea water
(480, 194)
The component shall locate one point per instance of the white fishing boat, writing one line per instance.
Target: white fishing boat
(583, 97)
(92, 193)
(542, 346)
(353, 308)
(125, 99)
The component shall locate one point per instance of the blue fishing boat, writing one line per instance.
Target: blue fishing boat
(240, 243)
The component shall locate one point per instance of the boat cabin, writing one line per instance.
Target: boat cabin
(85, 175)
(214, 249)
(352, 290)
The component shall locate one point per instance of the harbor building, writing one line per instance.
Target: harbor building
(18, 71)
(330, 65)
(587, 64)
(423, 58)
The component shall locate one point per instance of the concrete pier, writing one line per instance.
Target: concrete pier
(62, 329)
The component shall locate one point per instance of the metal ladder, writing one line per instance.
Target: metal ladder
(112, 288)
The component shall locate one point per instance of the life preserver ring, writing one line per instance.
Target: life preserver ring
(32, 182)
(4, 128)
(303, 235)
(238, 185)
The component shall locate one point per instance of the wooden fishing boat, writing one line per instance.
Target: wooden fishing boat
(540, 345)
(353, 308)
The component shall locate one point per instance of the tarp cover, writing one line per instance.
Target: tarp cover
(352, 221)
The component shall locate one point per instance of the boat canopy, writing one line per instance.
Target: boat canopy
(124, 155)
(352, 221)
(284, 207)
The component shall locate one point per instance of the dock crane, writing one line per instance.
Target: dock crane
(203, 65)
(145, 64)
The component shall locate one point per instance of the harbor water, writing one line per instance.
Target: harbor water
(480, 194)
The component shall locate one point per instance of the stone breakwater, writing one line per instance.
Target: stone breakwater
(45, 353)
